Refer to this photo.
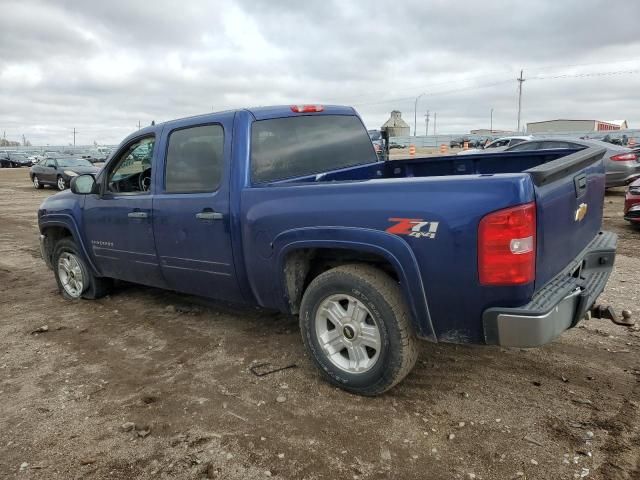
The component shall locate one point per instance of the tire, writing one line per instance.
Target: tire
(36, 183)
(60, 185)
(386, 311)
(91, 287)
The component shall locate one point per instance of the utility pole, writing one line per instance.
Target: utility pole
(520, 82)
(74, 136)
(415, 114)
(139, 125)
(491, 122)
(435, 119)
(426, 127)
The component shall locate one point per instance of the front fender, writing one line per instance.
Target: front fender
(391, 247)
(67, 221)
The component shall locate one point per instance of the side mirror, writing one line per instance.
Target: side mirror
(83, 184)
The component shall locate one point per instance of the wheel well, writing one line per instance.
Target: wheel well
(51, 236)
(302, 266)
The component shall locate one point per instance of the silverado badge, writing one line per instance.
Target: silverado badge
(581, 211)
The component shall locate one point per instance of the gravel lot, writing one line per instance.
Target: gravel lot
(149, 384)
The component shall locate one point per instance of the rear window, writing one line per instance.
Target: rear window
(298, 146)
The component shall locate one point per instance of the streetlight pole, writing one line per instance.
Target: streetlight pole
(415, 114)
(491, 124)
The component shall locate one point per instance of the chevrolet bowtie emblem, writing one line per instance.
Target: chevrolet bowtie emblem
(581, 212)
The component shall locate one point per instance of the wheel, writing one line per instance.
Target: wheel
(356, 328)
(36, 183)
(60, 183)
(73, 276)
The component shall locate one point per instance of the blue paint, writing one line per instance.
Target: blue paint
(241, 257)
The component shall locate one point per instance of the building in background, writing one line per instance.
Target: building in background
(568, 126)
(486, 131)
(396, 126)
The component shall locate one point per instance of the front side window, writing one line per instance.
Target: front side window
(132, 171)
(498, 143)
(194, 159)
(305, 145)
(516, 141)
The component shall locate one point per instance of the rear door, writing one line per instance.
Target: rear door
(569, 200)
(191, 211)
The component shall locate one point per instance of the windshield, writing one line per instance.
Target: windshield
(74, 162)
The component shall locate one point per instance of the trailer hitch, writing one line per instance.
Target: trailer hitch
(599, 311)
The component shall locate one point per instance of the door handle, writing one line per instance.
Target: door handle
(208, 215)
(137, 214)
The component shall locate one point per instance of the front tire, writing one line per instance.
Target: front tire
(36, 183)
(60, 183)
(356, 328)
(73, 276)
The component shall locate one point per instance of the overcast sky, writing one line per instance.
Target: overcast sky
(103, 66)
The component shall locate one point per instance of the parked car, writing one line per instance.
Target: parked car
(622, 164)
(458, 142)
(13, 159)
(289, 208)
(632, 203)
(58, 172)
(498, 145)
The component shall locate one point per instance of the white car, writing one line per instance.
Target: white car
(498, 145)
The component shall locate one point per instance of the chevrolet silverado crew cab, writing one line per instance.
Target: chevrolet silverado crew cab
(289, 208)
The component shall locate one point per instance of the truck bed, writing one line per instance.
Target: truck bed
(349, 206)
(482, 164)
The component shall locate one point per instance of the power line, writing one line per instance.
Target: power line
(589, 74)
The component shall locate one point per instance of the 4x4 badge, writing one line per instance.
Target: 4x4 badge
(413, 227)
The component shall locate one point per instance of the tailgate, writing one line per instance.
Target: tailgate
(569, 202)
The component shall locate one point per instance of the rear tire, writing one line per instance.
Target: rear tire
(60, 183)
(384, 343)
(73, 275)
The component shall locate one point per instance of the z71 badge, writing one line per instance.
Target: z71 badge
(413, 227)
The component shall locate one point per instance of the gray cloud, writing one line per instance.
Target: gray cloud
(103, 66)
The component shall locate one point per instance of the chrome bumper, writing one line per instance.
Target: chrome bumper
(557, 306)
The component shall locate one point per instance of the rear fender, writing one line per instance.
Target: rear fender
(391, 247)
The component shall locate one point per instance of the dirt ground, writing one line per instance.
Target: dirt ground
(149, 384)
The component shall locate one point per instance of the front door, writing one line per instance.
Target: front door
(118, 222)
(49, 171)
(191, 212)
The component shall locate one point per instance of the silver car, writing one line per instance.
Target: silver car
(498, 145)
(622, 164)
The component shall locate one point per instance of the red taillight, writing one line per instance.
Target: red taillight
(306, 108)
(507, 246)
(624, 157)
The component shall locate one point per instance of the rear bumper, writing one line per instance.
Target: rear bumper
(633, 214)
(622, 178)
(560, 304)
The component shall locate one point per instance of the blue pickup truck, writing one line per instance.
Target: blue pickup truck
(290, 209)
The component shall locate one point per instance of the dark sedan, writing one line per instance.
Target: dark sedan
(14, 160)
(622, 165)
(58, 172)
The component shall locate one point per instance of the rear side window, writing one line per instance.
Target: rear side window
(194, 159)
(526, 146)
(299, 146)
